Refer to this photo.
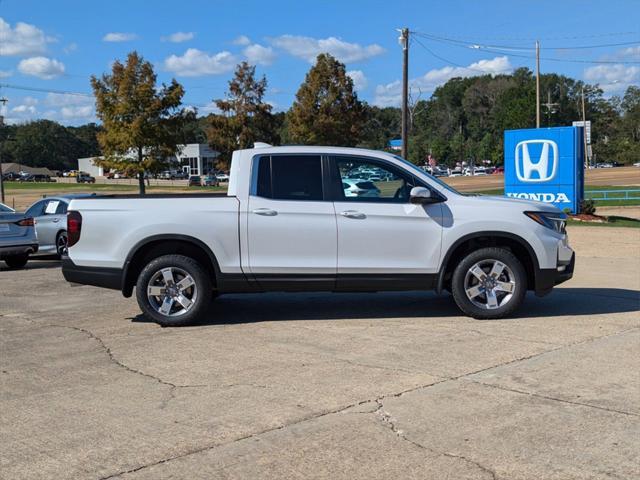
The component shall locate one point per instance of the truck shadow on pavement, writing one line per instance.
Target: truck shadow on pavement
(252, 308)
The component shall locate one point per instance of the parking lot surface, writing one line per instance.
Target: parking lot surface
(392, 385)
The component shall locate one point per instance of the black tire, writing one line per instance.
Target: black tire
(201, 297)
(17, 261)
(61, 243)
(514, 269)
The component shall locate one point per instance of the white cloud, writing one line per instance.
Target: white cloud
(631, 52)
(77, 113)
(5, 73)
(309, 48)
(178, 37)
(241, 40)
(119, 37)
(72, 47)
(390, 95)
(67, 100)
(28, 109)
(195, 62)
(259, 55)
(613, 78)
(22, 40)
(360, 81)
(41, 67)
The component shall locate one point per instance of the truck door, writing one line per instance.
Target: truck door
(291, 221)
(380, 233)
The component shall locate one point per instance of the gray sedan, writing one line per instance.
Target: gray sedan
(50, 215)
(17, 237)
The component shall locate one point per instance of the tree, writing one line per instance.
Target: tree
(141, 123)
(45, 143)
(245, 117)
(326, 110)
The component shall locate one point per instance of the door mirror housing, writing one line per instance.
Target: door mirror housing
(422, 195)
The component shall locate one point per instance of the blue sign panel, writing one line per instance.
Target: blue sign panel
(545, 164)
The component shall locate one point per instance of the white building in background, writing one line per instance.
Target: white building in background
(89, 166)
(196, 158)
(192, 158)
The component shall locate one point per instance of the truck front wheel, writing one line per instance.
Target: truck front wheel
(489, 283)
(173, 290)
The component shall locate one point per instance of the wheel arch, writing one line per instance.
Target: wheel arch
(157, 245)
(473, 241)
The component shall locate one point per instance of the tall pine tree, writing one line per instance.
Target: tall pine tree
(245, 117)
(326, 110)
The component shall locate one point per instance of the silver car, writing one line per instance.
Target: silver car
(17, 237)
(50, 215)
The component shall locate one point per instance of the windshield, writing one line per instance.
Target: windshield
(431, 177)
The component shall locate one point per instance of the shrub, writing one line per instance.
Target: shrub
(588, 206)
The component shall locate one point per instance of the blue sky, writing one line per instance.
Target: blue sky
(57, 45)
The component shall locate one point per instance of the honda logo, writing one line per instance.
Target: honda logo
(544, 169)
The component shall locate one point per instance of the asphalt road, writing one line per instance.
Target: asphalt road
(374, 386)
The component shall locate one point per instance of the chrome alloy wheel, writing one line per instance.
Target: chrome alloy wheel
(171, 291)
(489, 284)
(61, 244)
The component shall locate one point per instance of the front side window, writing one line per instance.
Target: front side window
(290, 177)
(364, 180)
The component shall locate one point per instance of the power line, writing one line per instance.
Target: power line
(44, 90)
(531, 39)
(508, 50)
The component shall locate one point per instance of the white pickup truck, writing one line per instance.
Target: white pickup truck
(317, 219)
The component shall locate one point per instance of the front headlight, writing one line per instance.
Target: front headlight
(552, 220)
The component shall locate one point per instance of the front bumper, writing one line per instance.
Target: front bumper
(12, 250)
(96, 276)
(547, 278)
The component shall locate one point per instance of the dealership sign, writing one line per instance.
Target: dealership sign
(546, 165)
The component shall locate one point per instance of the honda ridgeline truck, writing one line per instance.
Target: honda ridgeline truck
(317, 219)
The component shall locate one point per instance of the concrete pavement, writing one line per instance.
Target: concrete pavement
(326, 386)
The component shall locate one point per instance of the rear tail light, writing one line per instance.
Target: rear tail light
(26, 222)
(74, 227)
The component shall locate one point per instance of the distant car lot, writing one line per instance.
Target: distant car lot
(281, 386)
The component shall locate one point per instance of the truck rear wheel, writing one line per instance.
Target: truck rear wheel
(489, 283)
(173, 290)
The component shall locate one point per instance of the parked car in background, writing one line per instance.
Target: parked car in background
(195, 181)
(637, 164)
(85, 178)
(210, 181)
(17, 237)
(498, 171)
(50, 215)
(359, 188)
(222, 177)
(34, 177)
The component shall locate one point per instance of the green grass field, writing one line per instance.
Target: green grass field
(94, 187)
(599, 203)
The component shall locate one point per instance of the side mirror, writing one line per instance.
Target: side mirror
(422, 195)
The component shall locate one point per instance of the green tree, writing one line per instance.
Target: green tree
(245, 117)
(326, 110)
(142, 124)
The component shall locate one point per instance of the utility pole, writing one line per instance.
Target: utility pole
(3, 101)
(404, 41)
(537, 84)
(551, 108)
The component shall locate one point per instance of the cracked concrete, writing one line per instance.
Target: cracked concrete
(325, 386)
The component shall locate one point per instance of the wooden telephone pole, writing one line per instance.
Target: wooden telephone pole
(537, 84)
(404, 41)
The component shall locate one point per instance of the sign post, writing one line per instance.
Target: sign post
(545, 164)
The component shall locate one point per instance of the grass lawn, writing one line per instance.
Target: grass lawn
(94, 187)
(613, 222)
(599, 203)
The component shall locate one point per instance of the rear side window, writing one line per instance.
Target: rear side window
(62, 209)
(290, 177)
(36, 209)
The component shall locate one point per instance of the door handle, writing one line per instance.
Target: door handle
(56, 220)
(353, 214)
(267, 212)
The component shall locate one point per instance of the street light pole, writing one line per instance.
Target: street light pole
(537, 84)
